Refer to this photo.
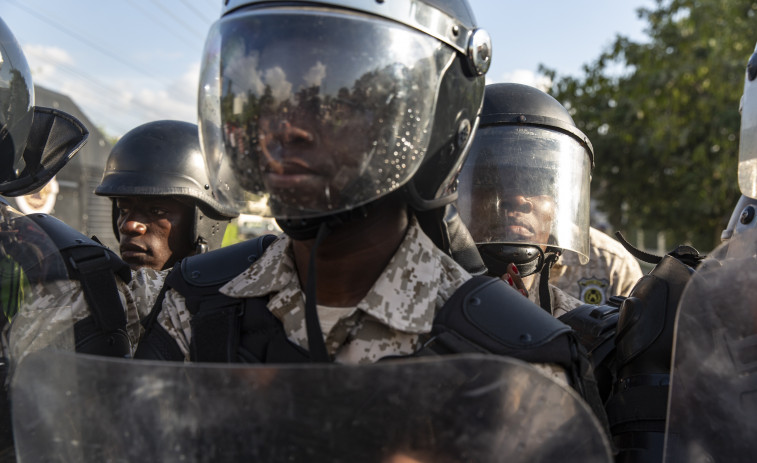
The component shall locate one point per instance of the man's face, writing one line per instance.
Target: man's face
(527, 219)
(512, 216)
(309, 159)
(155, 231)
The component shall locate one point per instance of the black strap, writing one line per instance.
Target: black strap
(92, 266)
(316, 344)
(637, 253)
(545, 298)
(156, 343)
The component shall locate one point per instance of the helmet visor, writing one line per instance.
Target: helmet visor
(526, 186)
(748, 139)
(16, 102)
(320, 110)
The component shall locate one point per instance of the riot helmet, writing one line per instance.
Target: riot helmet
(327, 105)
(164, 158)
(524, 188)
(748, 137)
(35, 143)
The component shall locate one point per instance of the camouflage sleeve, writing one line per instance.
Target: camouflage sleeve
(562, 302)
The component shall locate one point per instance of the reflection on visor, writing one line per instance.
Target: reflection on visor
(319, 128)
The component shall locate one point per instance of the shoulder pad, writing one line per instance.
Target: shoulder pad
(221, 265)
(62, 234)
(493, 317)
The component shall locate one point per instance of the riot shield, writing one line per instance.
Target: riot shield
(31, 270)
(37, 294)
(712, 408)
(471, 408)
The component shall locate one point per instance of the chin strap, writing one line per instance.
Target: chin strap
(316, 344)
(545, 299)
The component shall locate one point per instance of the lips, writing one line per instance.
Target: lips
(131, 250)
(296, 167)
(520, 227)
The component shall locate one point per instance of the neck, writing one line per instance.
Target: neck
(351, 258)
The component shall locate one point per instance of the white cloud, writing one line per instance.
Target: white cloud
(523, 76)
(276, 78)
(45, 61)
(315, 75)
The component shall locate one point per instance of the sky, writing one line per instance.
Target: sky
(128, 62)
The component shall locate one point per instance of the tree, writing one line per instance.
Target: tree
(663, 118)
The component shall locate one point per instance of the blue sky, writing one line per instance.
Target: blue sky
(128, 62)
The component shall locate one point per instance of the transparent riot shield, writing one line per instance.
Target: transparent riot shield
(36, 293)
(472, 408)
(32, 277)
(712, 409)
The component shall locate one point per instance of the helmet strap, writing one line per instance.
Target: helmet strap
(545, 298)
(316, 344)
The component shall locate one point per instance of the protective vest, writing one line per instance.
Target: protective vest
(630, 342)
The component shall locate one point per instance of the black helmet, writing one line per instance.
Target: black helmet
(527, 146)
(379, 97)
(35, 143)
(163, 158)
(748, 138)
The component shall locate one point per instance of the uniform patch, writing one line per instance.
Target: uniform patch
(593, 290)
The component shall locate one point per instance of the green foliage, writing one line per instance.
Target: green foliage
(663, 118)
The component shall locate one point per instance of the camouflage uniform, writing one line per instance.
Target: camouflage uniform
(390, 320)
(611, 271)
(394, 318)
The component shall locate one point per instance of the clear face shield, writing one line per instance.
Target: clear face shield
(748, 137)
(321, 115)
(524, 185)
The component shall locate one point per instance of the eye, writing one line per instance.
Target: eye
(158, 211)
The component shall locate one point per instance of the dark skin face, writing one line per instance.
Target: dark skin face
(529, 218)
(155, 231)
(309, 159)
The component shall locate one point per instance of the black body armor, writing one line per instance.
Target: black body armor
(630, 343)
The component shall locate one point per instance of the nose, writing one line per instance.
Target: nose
(288, 134)
(132, 227)
(518, 203)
